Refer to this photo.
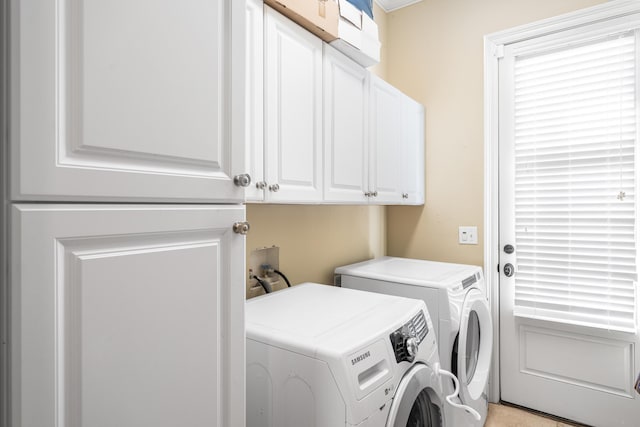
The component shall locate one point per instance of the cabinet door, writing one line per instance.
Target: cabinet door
(122, 99)
(254, 106)
(385, 142)
(127, 316)
(346, 162)
(293, 116)
(413, 161)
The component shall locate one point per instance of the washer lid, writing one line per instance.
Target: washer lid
(312, 318)
(412, 271)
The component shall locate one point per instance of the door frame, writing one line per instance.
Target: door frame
(493, 51)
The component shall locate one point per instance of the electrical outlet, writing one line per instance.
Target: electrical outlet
(468, 235)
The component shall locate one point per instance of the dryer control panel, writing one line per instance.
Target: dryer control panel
(406, 339)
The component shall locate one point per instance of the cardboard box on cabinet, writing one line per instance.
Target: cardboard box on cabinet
(338, 22)
(318, 16)
(366, 6)
(357, 35)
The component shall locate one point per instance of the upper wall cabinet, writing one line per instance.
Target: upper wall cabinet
(321, 128)
(254, 99)
(293, 111)
(386, 144)
(412, 178)
(346, 145)
(123, 99)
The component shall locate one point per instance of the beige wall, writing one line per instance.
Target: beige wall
(314, 240)
(435, 55)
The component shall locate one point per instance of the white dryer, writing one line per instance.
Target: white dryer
(323, 356)
(455, 296)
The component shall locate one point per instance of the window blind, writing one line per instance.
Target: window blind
(575, 184)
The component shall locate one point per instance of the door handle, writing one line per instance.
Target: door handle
(509, 269)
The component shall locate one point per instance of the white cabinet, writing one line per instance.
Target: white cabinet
(254, 99)
(127, 99)
(293, 111)
(412, 178)
(322, 129)
(346, 144)
(385, 147)
(373, 137)
(127, 315)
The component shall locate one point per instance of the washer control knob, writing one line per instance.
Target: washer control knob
(412, 346)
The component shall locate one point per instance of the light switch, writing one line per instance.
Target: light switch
(468, 235)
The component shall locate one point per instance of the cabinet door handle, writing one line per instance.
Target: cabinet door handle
(241, 227)
(374, 194)
(243, 180)
(274, 188)
(261, 185)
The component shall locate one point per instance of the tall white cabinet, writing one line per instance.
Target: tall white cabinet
(126, 307)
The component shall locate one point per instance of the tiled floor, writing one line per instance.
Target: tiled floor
(507, 416)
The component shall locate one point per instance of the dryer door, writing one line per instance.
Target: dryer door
(474, 346)
(417, 401)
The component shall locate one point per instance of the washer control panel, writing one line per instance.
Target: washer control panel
(406, 340)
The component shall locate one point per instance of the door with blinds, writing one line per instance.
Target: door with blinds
(568, 112)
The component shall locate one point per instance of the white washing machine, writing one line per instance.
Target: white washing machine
(324, 356)
(455, 296)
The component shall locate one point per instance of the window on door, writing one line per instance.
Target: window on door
(575, 136)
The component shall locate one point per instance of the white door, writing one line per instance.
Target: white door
(568, 275)
(412, 180)
(346, 161)
(129, 316)
(293, 111)
(254, 104)
(124, 99)
(385, 142)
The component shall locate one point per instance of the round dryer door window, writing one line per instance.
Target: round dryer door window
(474, 346)
(417, 402)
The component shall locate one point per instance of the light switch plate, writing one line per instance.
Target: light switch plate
(468, 235)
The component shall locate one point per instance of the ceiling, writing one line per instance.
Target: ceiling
(391, 5)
